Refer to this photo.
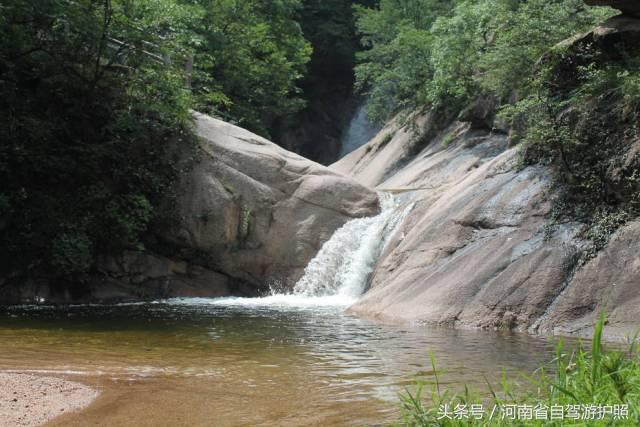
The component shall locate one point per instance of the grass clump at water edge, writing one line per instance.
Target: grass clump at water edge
(588, 387)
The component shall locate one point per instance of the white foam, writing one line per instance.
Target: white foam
(338, 274)
(276, 300)
(344, 263)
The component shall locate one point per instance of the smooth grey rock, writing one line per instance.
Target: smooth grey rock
(475, 252)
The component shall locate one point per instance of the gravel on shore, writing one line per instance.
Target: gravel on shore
(31, 400)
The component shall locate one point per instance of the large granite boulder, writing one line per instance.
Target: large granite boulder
(255, 212)
(247, 215)
(476, 249)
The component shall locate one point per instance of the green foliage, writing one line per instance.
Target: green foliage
(630, 89)
(86, 120)
(448, 139)
(443, 54)
(524, 32)
(71, 252)
(458, 42)
(396, 63)
(248, 57)
(93, 93)
(394, 78)
(581, 117)
(603, 224)
(580, 377)
(386, 139)
(125, 218)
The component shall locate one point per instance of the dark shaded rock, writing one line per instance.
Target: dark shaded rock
(480, 113)
(316, 131)
(617, 38)
(133, 276)
(627, 7)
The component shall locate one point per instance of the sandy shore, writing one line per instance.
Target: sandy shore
(30, 400)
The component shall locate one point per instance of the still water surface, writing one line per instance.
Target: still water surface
(233, 362)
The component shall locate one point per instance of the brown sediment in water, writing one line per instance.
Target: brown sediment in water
(31, 400)
(198, 365)
(167, 401)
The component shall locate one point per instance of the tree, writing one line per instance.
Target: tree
(249, 56)
(87, 107)
(396, 61)
(441, 54)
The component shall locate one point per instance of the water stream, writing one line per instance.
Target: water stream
(360, 131)
(285, 359)
(340, 271)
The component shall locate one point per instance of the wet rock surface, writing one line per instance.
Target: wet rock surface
(476, 251)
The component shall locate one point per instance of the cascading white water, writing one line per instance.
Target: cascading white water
(338, 274)
(359, 132)
(343, 264)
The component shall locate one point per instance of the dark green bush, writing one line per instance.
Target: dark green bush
(84, 129)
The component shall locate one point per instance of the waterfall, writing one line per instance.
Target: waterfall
(343, 265)
(339, 272)
(359, 132)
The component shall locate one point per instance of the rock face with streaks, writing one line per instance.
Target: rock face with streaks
(475, 250)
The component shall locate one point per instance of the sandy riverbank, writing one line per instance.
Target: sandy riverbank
(30, 400)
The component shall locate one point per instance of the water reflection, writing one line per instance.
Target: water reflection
(266, 356)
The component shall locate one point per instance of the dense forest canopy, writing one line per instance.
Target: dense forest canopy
(93, 92)
(88, 105)
(443, 53)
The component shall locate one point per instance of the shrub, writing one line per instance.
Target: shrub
(85, 127)
(579, 377)
(451, 52)
(71, 252)
(581, 118)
